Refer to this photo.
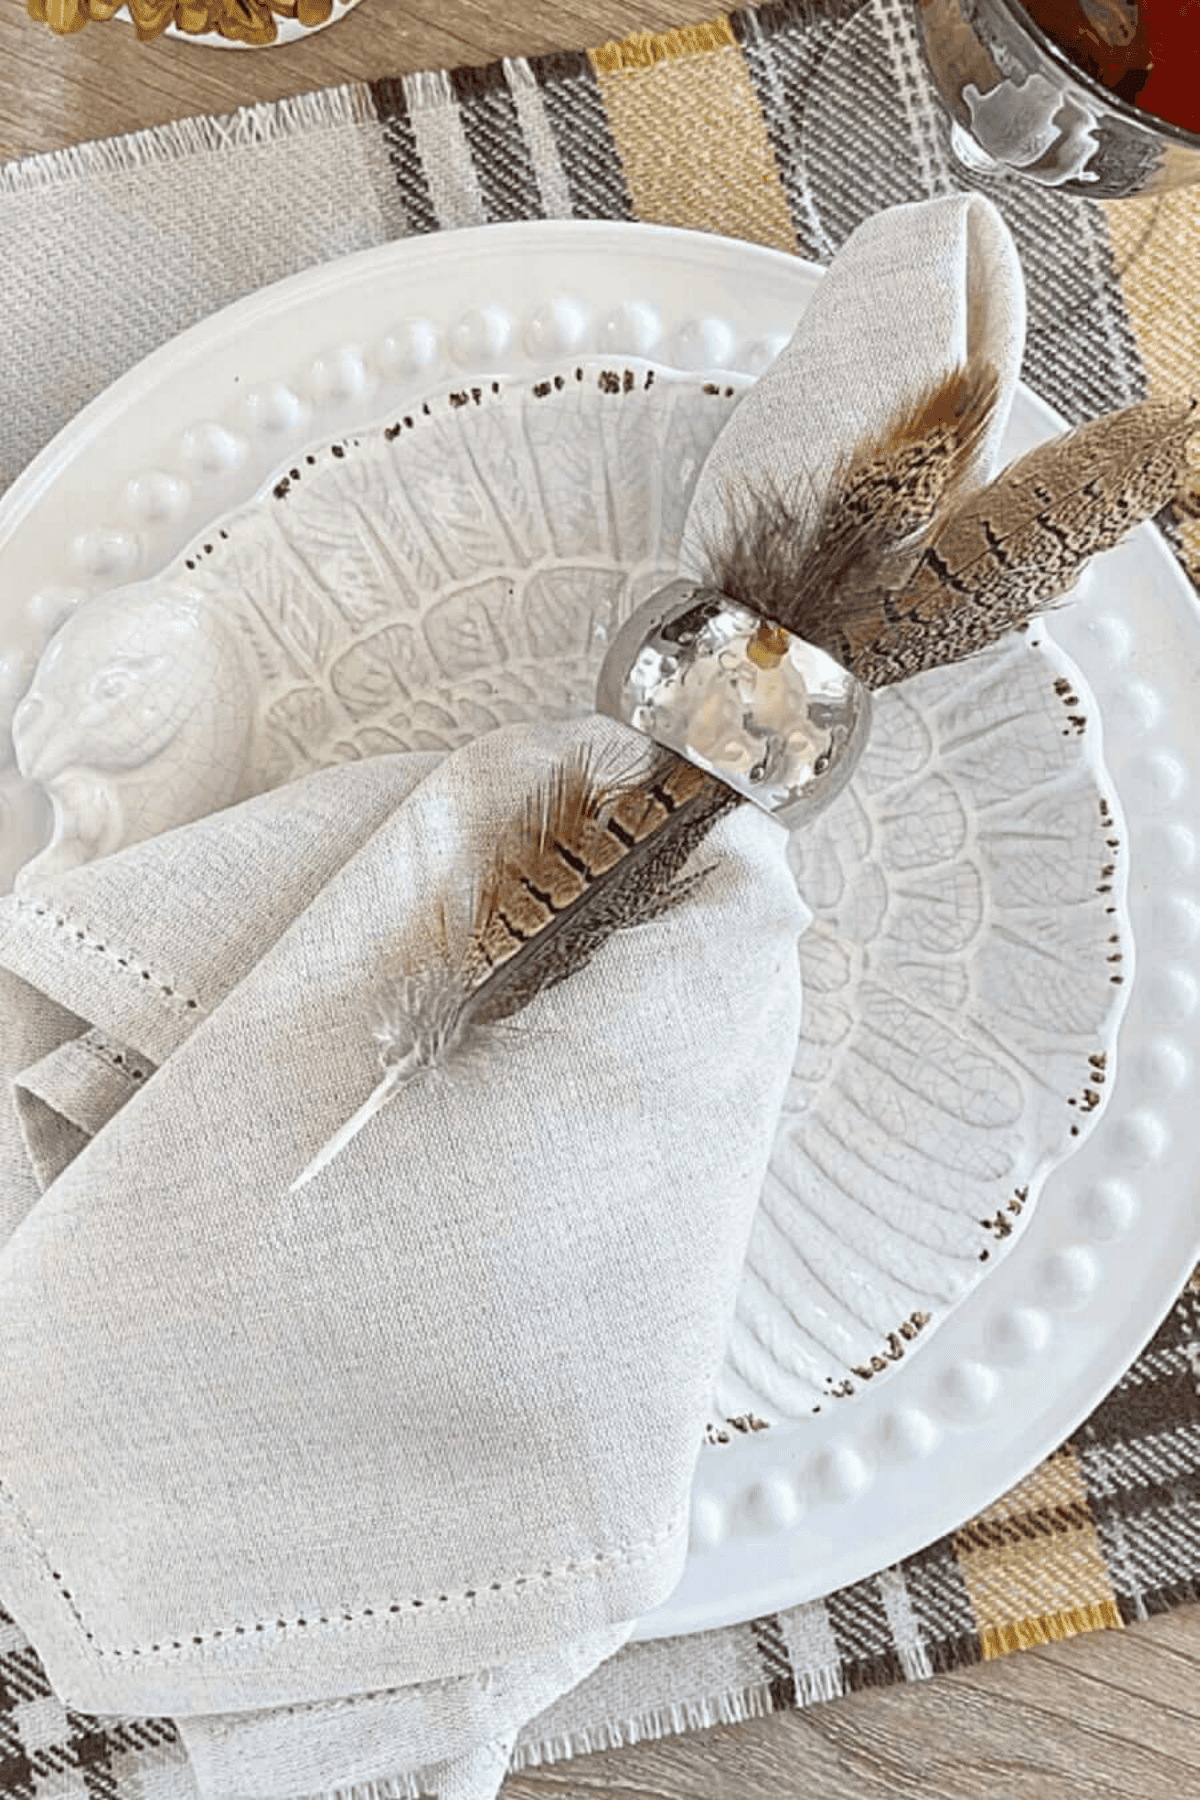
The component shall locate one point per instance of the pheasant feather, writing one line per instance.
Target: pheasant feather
(906, 565)
(819, 576)
(586, 858)
(1002, 555)
(891, 585)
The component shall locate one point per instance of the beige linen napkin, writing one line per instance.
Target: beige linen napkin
(436, 1411)
(353, 1481)
(913, 293)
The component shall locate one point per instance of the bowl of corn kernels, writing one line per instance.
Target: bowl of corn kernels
(227, 24)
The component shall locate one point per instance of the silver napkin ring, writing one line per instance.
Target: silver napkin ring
(767, 713)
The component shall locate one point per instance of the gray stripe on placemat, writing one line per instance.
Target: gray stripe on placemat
(492, 128)
(548, 170)
(1155, 1459)
(391, 109)
(1062, 242)
(1152, 1552)
(876, 136)
(782, 44)
(942, 1607)
(590, 159)
(1156, 1366)
(1080, 352)
(859, 150)
(860, 1623)
(441, 142)
(772, 1648)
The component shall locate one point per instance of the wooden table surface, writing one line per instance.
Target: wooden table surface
(1110, 1716)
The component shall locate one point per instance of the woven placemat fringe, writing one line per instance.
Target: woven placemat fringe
(248, 128)
(1049, 1628)
(642, 49)
(944, 1655)
(884, 1668)
(1153, 1602)
(433, 87)
(732, 1708)
(813, 1687)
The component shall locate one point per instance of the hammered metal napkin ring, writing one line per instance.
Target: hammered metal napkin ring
(765, 712)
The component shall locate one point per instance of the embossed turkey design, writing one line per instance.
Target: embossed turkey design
(455, 569)
(464, 566)
(138, 718)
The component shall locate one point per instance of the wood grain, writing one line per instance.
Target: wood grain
(100, 81)
(1112, 1716)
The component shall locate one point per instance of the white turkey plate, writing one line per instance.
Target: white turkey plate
(289, 549)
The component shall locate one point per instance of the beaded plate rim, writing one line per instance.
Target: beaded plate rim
(776, 1518)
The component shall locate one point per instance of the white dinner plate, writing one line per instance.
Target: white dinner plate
(190, 437)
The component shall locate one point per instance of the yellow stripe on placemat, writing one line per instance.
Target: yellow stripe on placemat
(1154, 248)
(642, 49)
(1049, 1628)
(691, 135)
(1033, 1564)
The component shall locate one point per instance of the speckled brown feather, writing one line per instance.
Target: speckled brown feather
(587, 857)
(903, 572)
(816, 578)
(883, 493)
(905, 568)
(1012, 550)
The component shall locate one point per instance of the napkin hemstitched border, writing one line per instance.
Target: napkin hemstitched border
(381, 1647)
(116, 1056)
(131, 963)
(463, 1601)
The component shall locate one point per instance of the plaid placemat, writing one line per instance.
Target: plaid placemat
(787, 125)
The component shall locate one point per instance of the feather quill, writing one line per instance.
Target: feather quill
(587, 857)
(906, 564)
